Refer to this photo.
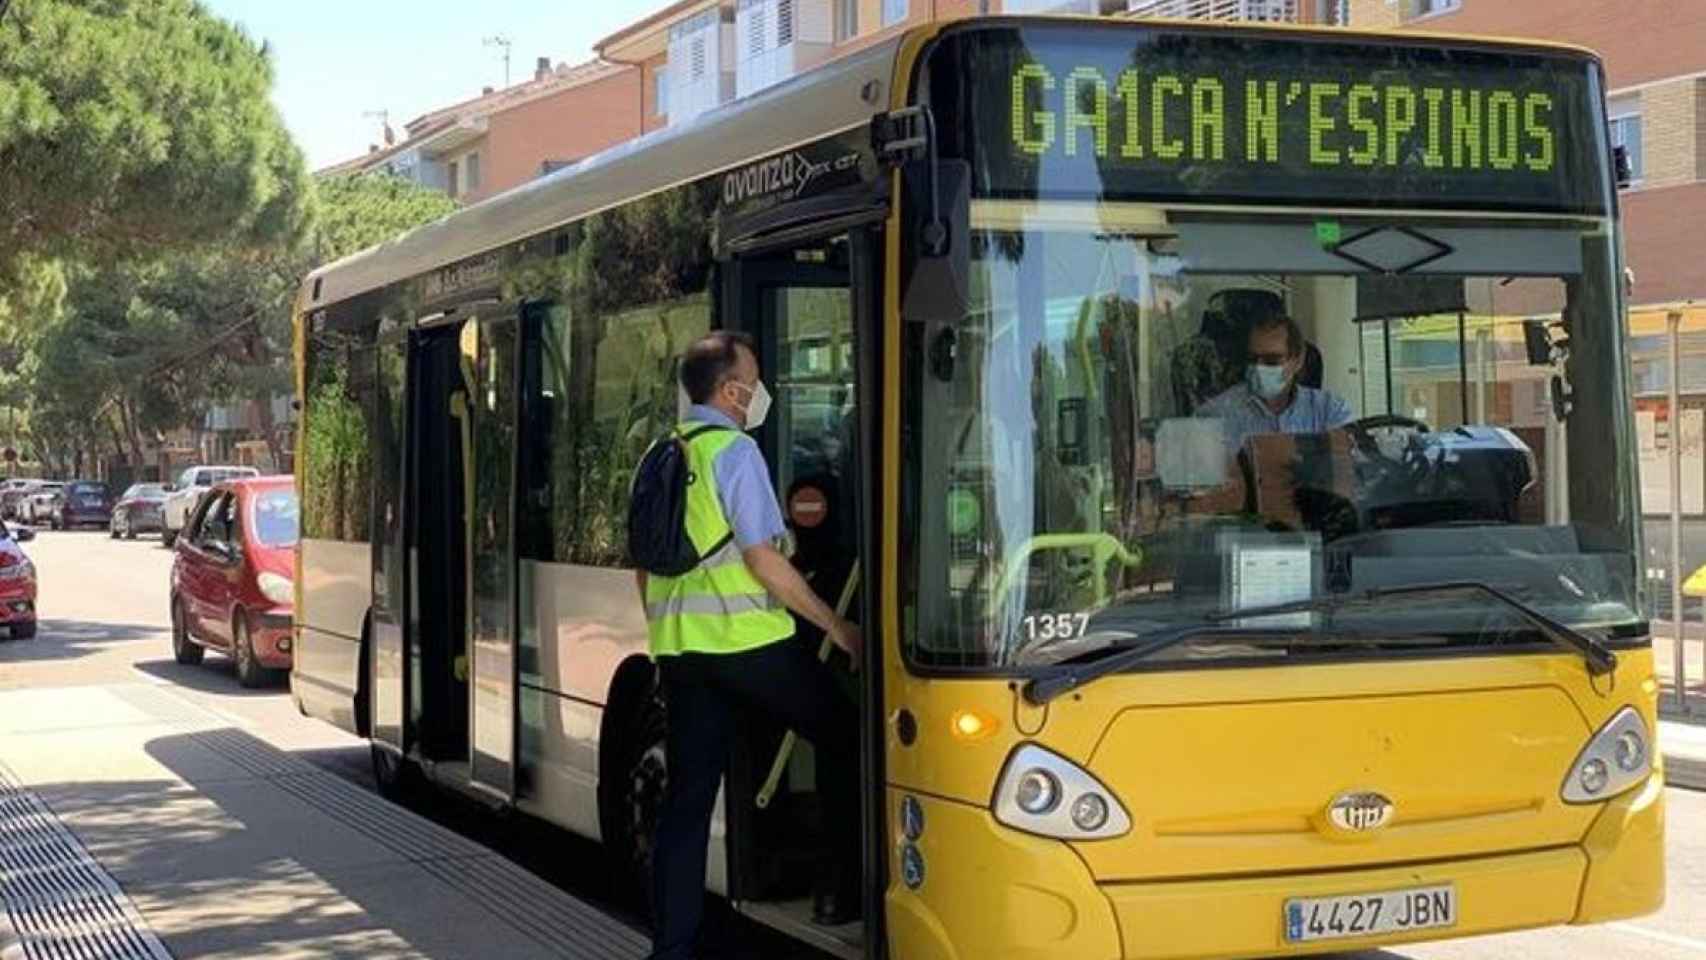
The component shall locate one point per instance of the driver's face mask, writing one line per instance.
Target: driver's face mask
(1269, 381)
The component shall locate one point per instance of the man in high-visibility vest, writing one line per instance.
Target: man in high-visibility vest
(724, 643)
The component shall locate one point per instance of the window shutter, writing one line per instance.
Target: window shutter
(784, 22)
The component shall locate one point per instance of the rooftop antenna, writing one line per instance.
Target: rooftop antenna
(384, 118)
(499, 40)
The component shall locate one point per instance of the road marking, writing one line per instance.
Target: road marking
(1675, 940)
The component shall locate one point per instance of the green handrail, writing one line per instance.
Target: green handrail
(1104, 548)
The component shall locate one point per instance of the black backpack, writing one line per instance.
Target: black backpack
(657, 507)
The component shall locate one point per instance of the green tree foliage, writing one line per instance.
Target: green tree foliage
(357, 212)
(143, 347)
(129, 127)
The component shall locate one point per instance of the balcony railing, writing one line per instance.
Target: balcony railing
(1270, 11)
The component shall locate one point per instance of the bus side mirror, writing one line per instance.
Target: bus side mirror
(1538, 343)
(938, 239)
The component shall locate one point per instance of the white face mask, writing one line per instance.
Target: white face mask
(1267, 381)
(757, 405)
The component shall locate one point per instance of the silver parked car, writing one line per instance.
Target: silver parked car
(186, 493)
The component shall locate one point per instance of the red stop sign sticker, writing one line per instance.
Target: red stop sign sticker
(808, 507)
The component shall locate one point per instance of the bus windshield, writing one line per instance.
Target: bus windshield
(1248, 322)
(1100, 459)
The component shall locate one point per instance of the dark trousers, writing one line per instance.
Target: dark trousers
(706, 694)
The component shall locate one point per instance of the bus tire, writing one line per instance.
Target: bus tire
(394, 775)
(631, 785)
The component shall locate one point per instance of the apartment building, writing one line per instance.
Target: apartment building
(696, 54)
(503, 138)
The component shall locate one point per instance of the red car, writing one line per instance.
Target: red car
(17, 583)
(231, 577)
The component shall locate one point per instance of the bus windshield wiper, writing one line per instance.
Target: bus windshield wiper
(1598, 658)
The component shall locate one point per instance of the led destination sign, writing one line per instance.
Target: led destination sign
(1129, 111)
(1324, 123)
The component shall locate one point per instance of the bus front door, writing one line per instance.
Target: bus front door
(800, 304)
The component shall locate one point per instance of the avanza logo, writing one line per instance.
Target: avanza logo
(1360, 812)
(786, 175)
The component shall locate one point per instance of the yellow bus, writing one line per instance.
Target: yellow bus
(1155, 668)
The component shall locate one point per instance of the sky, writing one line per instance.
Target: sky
(335, 60)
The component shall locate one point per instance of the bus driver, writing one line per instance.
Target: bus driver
(1270, 400)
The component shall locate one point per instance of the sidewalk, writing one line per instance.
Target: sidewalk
(1682, 737)
(135, 822)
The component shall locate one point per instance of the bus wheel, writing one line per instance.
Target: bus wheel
(634, 799)
(393, 774)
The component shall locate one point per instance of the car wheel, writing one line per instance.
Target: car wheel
(250, 673)
(168, 537)
(129, 529)
(112, 529)
(24, 631)
(184, 650)
(631, 807)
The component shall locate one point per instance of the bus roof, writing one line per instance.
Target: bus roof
(816, 104)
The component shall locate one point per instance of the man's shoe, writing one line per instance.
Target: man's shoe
(836, 909)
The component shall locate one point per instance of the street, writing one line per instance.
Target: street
(104, 624)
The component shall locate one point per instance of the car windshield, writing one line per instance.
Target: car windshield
(87, 489)
(1150, 415)
(277, 515)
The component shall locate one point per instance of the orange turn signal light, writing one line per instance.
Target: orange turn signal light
(973, 724)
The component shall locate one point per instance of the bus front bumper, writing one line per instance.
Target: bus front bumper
(1009, 894)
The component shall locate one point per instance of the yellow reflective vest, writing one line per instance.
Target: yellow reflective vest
(717, 607)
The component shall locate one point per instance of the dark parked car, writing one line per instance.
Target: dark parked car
(232, 586)
(140, 510)
(83, 503)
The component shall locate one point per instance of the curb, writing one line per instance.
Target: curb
(1682, 743)
(1686, 772)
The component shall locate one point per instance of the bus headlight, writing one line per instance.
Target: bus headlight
(1044, 793)
(1038, 792)
(1616, 758)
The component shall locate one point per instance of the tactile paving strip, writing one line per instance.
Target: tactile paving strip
(60, 904)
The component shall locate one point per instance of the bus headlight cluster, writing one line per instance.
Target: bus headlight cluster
(1044, 793)
(1616, 758)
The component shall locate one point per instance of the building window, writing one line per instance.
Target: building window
(846, 20)
(1427, 8)
(471, 171)
(454, 186)
(784, 22)
(894, 11)
(1626, 133)
(660, 92)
